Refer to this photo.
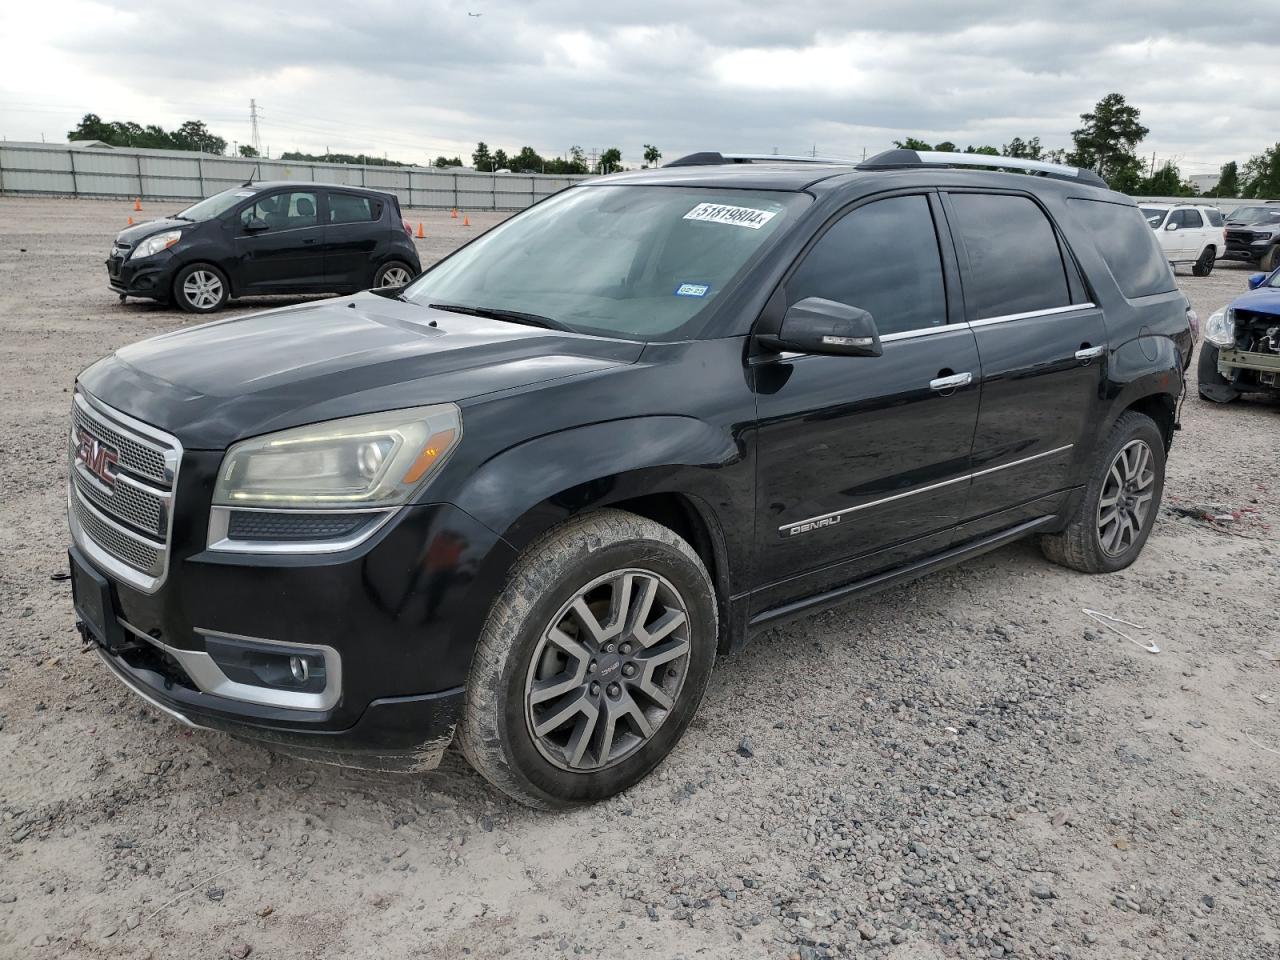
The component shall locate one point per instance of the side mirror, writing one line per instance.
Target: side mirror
(1171, 226)
(815, 325)
(1256, 280)
(256, 225)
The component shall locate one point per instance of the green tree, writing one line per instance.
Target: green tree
(946, 146)
(481, 158)
(443, 162)
(528, 160)
(1228, 184)
(652, 154)
(911, 143)
(500, 160)
(194, 135)
(1165, 182)
(1262, 175)
(1023, 149)
(247, 151)
(91, 127)
(1107, 140)
(611, 160)
(985, 151)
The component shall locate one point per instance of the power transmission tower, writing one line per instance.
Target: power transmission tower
(254, 139)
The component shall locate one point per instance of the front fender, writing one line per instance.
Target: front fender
(528, 488)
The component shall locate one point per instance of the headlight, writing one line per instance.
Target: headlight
(1220, 330)
(153, 245)
(369, 461)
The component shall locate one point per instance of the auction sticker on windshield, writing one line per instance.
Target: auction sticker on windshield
(735, 216)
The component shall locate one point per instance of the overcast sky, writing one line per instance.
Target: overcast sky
(416, 79)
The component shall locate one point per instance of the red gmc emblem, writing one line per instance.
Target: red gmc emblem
(99, 459)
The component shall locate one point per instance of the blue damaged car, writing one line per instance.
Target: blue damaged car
(1241, 351)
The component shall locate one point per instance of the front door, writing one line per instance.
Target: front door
(280, 243)
(352, 235)
(1043, 348)
(862, 462)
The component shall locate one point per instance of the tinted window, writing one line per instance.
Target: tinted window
(1154, 215)
(349, 208)
(1215, 217)
(1015, 265)
(1127, 245)
(283, 211)
(883, 258)
(1190, 219)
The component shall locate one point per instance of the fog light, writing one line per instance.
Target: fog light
(300, 669)
(274, 666)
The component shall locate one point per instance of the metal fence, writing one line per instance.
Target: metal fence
(37, 169)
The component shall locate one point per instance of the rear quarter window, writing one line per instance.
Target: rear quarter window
(350, 208)
(1127, 244)
(1215, 217)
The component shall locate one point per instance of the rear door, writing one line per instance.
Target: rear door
(1193, 233)
(279, 243)
(862, 461)
(1043, 347)
(354, 233)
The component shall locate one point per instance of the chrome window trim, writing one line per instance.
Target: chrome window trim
(1049, 312)
(911, 493)
(208, 676)
(220, 522)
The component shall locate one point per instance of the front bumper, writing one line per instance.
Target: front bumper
(149, 277)
(401, 611)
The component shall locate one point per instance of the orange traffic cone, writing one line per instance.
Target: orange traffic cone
(131, 221)
(421, 235)
(137, 204)
(466, 221)
(455, 213)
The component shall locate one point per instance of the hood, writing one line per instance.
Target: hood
(220, 382)
(140, 231)
(1262, 300)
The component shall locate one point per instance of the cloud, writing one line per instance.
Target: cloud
(414, 80)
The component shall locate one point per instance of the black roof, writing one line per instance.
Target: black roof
(350, 188)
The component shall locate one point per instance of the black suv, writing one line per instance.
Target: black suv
(263, 238)
(1253, 235)
(524, 501)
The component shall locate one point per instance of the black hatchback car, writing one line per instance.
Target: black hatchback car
(261, 238)
(525, 500)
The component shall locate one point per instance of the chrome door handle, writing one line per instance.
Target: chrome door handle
(951, 382)
(1090, 353)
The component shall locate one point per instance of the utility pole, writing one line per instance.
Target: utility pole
(254, 139)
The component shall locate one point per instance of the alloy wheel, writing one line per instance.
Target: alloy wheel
(1126, 498)
(607, 670)
(203, 289)
(395, 277)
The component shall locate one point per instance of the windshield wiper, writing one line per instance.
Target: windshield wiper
(498, 313)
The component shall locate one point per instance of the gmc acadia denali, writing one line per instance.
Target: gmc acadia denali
(523, 501)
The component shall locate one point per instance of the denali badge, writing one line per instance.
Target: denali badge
(811, 525)
(99, 459)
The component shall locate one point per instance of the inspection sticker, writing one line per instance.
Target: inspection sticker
(736, 216)
(692, 289)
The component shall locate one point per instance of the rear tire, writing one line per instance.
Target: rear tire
(1271, 259)
(393, 273)
(201, 288)
(1204, 266)
(1212, 384)
(606, 629)
(1120, 503)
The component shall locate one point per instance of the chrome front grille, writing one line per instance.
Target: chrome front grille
(120, 507)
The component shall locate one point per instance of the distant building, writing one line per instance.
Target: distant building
(1203, 182)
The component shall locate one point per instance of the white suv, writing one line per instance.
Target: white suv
(1188, 233)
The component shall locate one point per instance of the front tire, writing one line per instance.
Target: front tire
(1120, 503)
(394, 273)
(592, 662)
(201, 288)
(1204, 266)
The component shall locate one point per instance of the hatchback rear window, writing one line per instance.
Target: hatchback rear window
(349, 208)
(1127, 245)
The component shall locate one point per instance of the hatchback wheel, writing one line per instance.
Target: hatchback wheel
(1204, 266)
(393, 274)
(592, 661)
(200, 288)
(1120, 503)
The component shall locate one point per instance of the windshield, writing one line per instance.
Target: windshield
(632, 261)
(1154, 215)
(216, 205)
(1255, 215)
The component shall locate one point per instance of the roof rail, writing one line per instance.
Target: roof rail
(712, 158)
(905, 159)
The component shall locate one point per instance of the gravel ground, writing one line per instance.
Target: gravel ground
(962, 767)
